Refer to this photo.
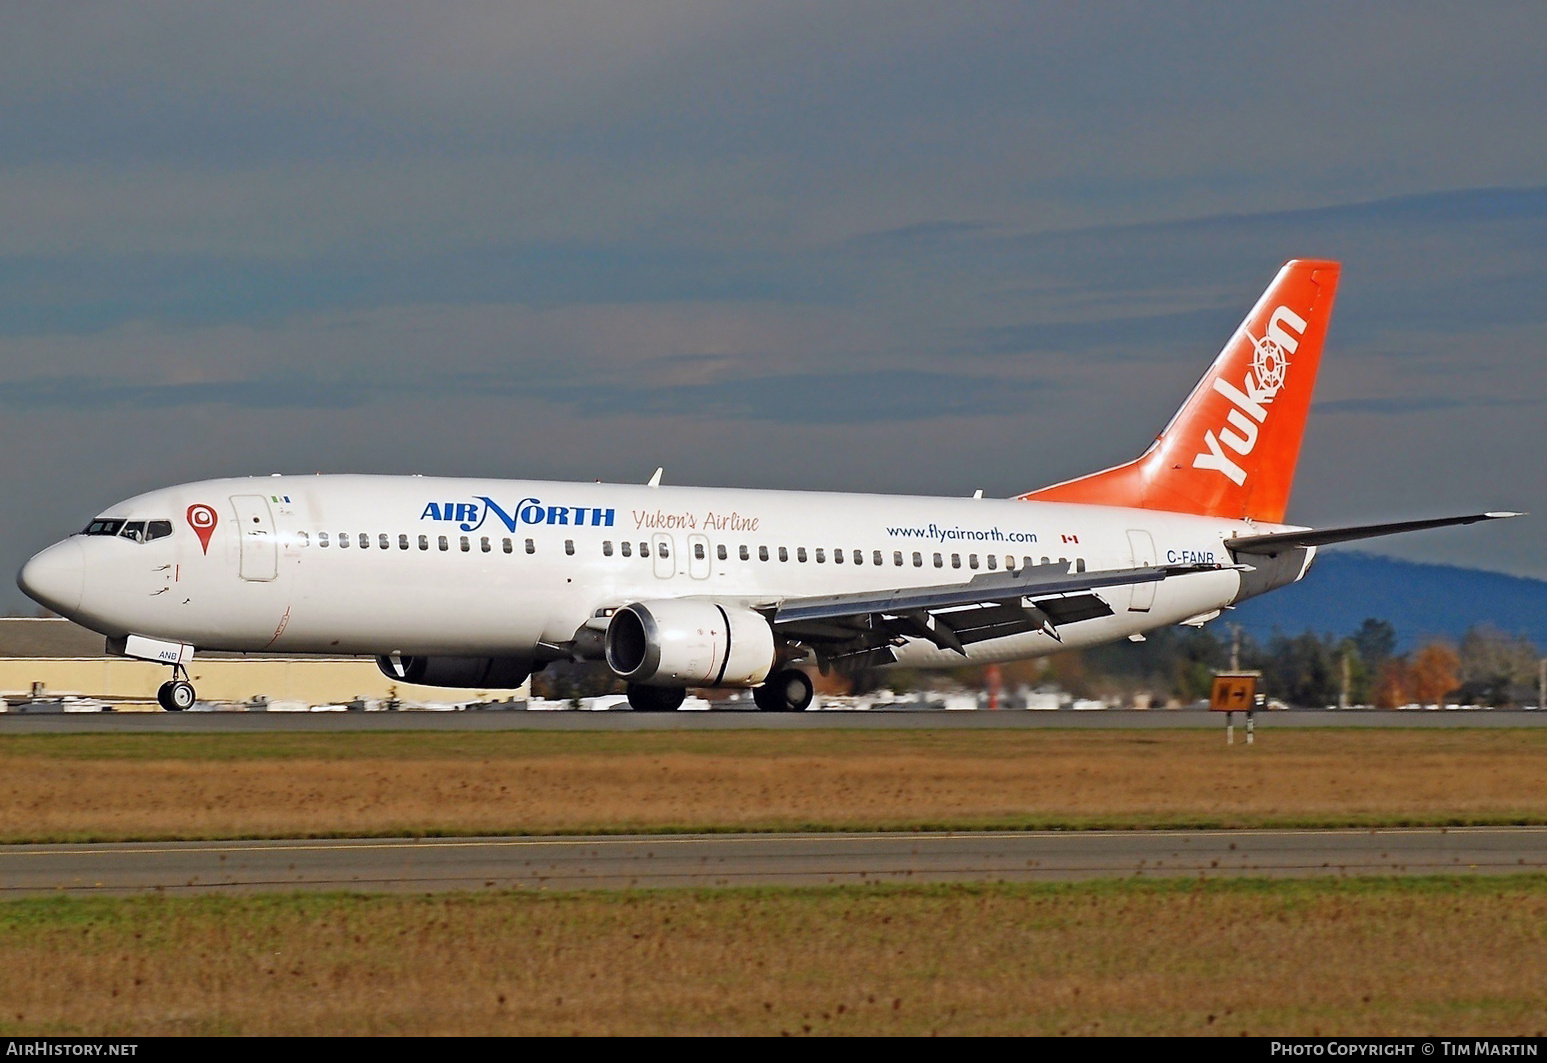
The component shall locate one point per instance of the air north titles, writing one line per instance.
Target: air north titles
(470, 516)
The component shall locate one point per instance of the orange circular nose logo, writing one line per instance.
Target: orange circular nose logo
(202, 520)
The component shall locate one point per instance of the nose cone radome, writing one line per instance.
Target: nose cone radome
(56, 577)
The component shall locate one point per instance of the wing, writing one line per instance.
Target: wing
(1273, 543)
(862, 630)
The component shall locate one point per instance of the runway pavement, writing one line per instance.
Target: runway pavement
(410, 865)
(516, 720)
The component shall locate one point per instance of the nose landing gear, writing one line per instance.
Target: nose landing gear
(177, 695)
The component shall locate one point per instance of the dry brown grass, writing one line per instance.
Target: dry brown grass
(105, 787)
(1367, 957)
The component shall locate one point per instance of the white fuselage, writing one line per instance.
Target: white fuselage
(419, 565)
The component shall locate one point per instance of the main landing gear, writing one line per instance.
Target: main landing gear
(178, 694)
(655, 699)
(788, 690)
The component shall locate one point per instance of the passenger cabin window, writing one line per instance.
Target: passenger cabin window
(644, 549)
(762, 553)
(665, 550)
(628, 549)
(302, 539)
(343, 540)
(698, 551)
(531, 546)
(956, 560)
(607, 548)
(440, 541)
(424, 542)
(322, 538)
(784, 553)
(837, 557)
(897, 558)
(859, 557)
(719, 551)
(383, 542)
(821, 555)
(918, 559)
(569, 547)
(744, 555)
(402, 542)
(876, 559)
(972, 560)
(466, 546)
(485, 545)
(365, 541)
(508, 546)
(939, 561)
(800, 554)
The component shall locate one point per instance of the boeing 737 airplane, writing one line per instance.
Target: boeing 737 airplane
(477, 583)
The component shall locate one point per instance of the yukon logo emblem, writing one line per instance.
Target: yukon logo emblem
(1269, 363)
(202, 520)
(1261, 384)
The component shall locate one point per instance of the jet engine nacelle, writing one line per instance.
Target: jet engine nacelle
(687, 642)
(482, 673)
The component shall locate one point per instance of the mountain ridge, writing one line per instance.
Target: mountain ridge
(1423, 601)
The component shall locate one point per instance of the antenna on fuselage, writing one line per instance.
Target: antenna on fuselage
(655, 481)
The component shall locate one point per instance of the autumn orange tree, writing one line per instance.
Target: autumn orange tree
(1436, 672)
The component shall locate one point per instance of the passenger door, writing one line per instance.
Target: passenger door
(259, 547)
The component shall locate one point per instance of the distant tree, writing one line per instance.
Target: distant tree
(1394, 684)
(1376, 641)
(1361, 677)
(1436, 672)
(1496, 668)
(1067, 671)
(1302, 670)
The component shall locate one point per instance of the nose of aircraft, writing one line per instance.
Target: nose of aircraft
(56, 577)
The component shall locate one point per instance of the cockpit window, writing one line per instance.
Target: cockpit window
(157, 529)
(134, 529)
(103, 527)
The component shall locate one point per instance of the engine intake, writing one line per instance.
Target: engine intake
(483, 673)
(689, 642)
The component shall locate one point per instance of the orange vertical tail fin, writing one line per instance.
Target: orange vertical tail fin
(1231, 449)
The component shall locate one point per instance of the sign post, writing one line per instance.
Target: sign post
(1235, 692)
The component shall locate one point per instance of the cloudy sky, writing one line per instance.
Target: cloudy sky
(845, 246)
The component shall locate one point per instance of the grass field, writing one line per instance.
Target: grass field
(97, 787)
(1369, 957)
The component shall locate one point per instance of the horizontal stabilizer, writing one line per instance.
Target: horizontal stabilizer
(1277, 541)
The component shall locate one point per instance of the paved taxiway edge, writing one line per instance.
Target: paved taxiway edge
(239, 722)
(620, 862)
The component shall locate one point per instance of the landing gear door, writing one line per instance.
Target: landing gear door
(260, 547)
(1143, 546)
